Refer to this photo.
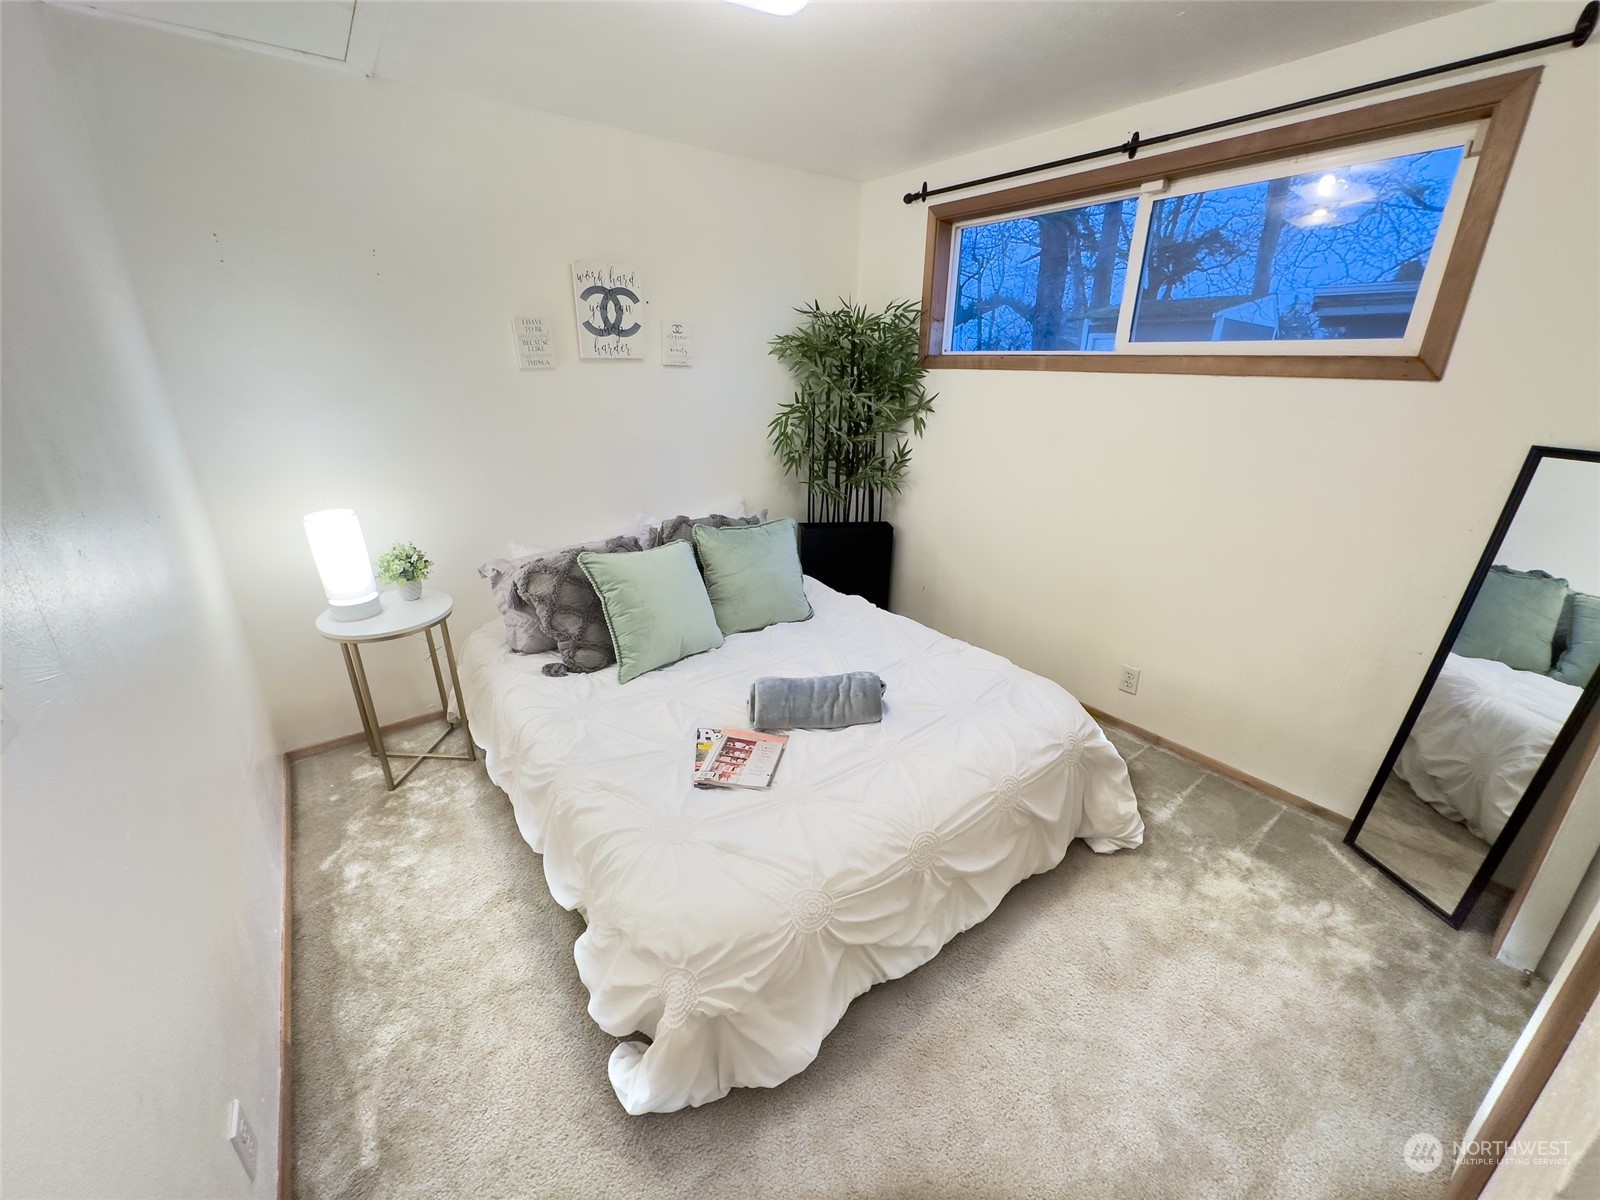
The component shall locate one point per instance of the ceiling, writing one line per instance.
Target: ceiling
(318, 28)
(847, 87)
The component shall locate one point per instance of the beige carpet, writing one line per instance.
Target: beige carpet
(1438, 856)
(1239, 1009)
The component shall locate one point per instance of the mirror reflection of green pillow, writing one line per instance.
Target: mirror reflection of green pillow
(1582, 654)
(1513, 620)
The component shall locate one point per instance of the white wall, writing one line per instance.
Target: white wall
(330, 265)
(1279, 556)
(1567, 1112)
(1558, 522)
(1563, 893)
(142, 862)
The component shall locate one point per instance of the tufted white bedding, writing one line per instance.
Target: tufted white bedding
(733, 928)
(1478, 740)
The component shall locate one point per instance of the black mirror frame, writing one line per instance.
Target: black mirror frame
(1457, 917)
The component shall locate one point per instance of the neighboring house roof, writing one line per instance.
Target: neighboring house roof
(1365, 299)
(1188, 308)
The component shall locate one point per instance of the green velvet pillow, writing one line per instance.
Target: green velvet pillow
(753, 574)
(1582, 654)
(1513, 619)
(655, 605)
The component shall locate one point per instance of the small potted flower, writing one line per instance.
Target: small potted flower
(405, 566)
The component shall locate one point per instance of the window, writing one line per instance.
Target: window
(1342, 246)
(1047, 281)
(1334, 253)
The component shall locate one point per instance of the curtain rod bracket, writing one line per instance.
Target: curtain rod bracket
(1587, 19)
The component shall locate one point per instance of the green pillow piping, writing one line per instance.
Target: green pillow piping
(753, 575)
(1513, 620)
(655, 605)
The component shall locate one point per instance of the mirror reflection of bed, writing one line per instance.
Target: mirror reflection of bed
(1477, 747)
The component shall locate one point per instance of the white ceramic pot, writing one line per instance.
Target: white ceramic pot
(409, 589)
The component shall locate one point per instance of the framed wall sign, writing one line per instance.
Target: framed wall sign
(535, 341)
(609, 301)
(677, 345)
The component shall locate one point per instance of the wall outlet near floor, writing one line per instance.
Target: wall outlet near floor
(243, 1138)
(1130, 681)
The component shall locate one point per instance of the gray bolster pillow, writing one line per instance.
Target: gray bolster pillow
(819, 702)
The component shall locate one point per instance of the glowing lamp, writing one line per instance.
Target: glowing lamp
(343, 563)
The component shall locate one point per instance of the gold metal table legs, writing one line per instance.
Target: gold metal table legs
(369, 715)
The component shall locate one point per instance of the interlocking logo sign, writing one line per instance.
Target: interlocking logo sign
(609, 306)
(609, 300)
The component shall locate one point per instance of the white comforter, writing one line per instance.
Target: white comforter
(1480, 737)
(733, 928)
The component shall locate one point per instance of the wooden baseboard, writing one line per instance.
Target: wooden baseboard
(285, 1025)
(1249, 781)
(1222, 768)
(351, 739)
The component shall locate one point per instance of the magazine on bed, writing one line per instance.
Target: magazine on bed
(736, 758)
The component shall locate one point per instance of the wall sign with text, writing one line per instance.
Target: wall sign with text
(536, 347)
(610, 307)
(677, 346)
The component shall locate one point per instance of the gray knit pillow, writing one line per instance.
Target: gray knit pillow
(523, 634)
(566, 607)
(681, 529)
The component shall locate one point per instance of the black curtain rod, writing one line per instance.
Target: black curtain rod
(1579, 35)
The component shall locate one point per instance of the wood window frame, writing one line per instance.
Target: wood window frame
(1502, 102)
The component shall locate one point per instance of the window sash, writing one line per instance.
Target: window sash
(1153, 191)
(953, 292)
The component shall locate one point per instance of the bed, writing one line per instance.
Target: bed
(733, 928)
(1480, 737)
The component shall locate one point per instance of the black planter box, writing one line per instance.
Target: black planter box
(853, 556)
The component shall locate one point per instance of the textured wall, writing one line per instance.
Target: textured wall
(142, 860)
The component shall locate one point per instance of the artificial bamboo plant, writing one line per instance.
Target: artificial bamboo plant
(858, 386)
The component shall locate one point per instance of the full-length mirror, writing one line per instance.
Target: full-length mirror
(1503, 697)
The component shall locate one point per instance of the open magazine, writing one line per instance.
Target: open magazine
(736, 758)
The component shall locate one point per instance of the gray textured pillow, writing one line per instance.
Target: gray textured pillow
(523, 633)
(565, 604)
(681, 529)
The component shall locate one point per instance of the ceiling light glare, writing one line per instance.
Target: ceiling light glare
(773, 8)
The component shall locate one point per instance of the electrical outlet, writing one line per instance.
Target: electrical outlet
(243, 1138)
(1130, 680)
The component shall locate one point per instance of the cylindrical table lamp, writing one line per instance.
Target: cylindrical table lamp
(343, 563)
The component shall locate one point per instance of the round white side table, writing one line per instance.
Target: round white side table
(400, 618)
